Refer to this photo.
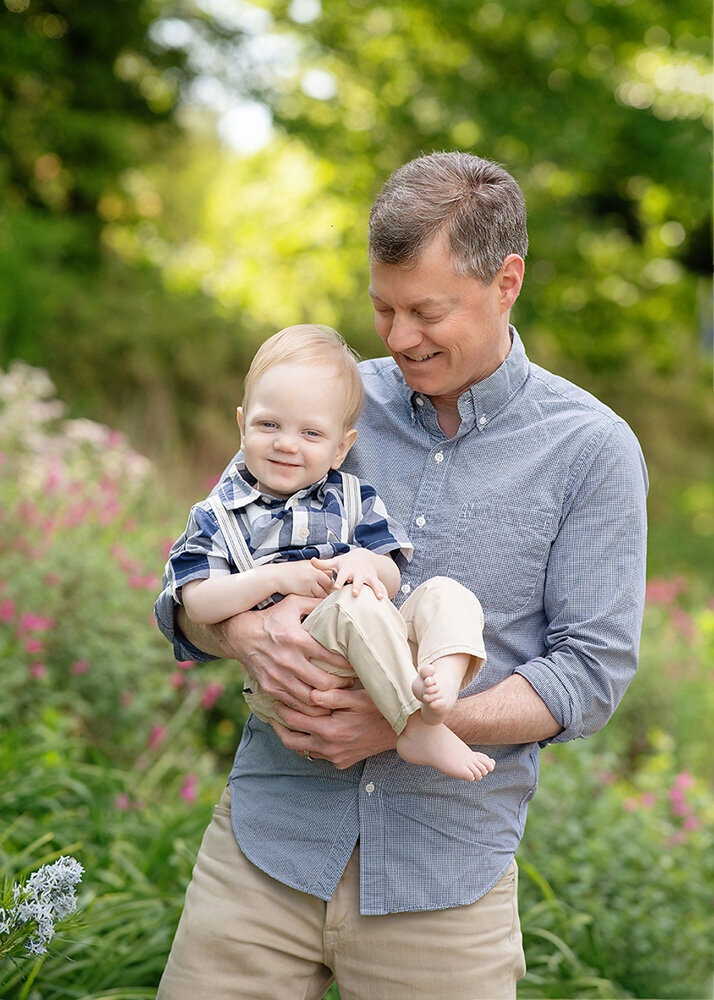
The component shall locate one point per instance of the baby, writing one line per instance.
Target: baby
(286, 521)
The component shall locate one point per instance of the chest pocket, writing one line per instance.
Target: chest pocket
(501, 552)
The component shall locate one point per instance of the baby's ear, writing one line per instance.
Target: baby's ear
(346, 443)
(239, 417)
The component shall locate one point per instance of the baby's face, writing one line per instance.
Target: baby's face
(292, 430)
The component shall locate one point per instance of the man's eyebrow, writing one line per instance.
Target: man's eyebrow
(429, 301)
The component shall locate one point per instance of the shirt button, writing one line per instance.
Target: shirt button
(482, 421)
(420, 521)
(419, 401)
(304, 532)
(439, 457)
(406, 588)
(369, 788)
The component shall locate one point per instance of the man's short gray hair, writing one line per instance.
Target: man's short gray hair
(475, 203)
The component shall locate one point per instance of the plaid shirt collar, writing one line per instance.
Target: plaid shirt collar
(238, 490)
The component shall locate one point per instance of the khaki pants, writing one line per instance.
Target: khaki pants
(245, 936)
(385, 646)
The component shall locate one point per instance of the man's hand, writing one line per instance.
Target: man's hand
(277, 650)
(350, 732)
(307, 579)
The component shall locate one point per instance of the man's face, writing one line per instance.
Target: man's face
(292, 430)
(445, 332)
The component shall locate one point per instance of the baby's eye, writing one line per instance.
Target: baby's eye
(268, 425)
(313, 434)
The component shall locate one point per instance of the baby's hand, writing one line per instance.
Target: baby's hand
(358, 567)
(301, 577)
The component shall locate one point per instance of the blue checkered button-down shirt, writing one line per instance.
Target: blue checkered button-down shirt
(538, 505)
(312, 523)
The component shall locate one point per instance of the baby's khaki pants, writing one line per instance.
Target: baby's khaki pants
(245, 936)
(385, 647)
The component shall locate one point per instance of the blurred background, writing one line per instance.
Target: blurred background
(179, 180)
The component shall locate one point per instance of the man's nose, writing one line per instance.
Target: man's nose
(403, 333)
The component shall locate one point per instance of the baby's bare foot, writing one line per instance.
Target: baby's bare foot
(437, 746)
(437, 686)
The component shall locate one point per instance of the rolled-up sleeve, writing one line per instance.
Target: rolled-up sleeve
(164, 612)
(594, 588)
(198, 554)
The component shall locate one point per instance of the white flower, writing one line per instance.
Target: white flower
(47, 896)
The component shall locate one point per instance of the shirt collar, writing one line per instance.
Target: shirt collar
(482, 400)
(238, 490)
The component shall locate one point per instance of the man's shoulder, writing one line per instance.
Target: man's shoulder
(558, 394)
(579, 417)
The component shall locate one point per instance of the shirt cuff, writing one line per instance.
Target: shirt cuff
(548, 682)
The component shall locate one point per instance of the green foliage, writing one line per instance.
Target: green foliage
(137, 856)
(623, 868)
(82, 546)
(112, 754)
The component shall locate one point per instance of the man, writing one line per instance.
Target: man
(527, 490)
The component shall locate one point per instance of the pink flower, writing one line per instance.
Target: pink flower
(34, 646)
(606, 777)
(156, 737)
(664, 592)
(115, 439)
(683, 781)
(630, 805)
(110, 512)
(165, 547)
(149, 582)
(211, 694)
(691, 823)
(684, 623)
(7, 610)
(35, 623)
(38, 670)
(177, 679)
(122, 802)
(189, 788)
(80, 667)
(648, 800)
(186, 664)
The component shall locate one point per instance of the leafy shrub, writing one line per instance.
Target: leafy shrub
(625, 869)
(82, 545)
(137, 843)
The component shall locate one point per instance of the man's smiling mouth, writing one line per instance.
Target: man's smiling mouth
(423, 357)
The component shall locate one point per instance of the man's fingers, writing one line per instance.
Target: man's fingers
(337, 698)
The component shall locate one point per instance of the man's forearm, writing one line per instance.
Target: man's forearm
(510, 712)
(208, 638)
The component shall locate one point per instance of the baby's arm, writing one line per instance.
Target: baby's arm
(212, 600)
(361, 566)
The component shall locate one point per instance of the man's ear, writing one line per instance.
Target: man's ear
(510, 280)
(345, 444)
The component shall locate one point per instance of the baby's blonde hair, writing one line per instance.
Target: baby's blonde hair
(308, 343)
